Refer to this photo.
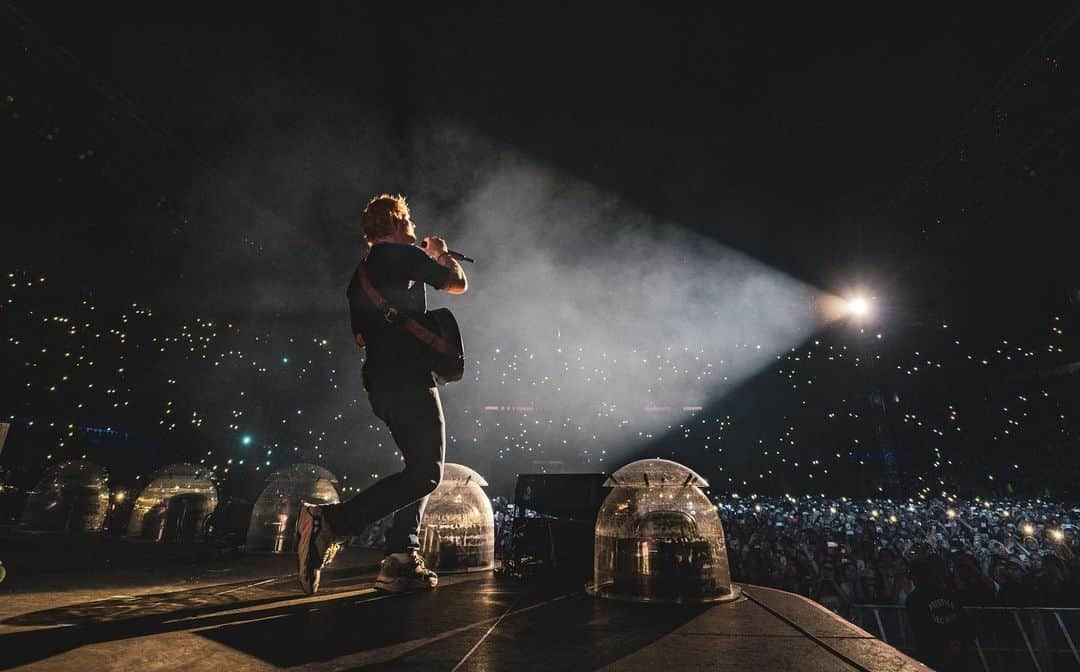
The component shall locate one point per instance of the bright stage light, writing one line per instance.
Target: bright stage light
(858, 307)
(847, 307)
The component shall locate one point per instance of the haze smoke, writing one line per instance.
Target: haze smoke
(579, 303)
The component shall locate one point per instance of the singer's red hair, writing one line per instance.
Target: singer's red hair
(381, 215)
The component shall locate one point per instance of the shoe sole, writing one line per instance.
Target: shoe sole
(392, 586)
(304, 525)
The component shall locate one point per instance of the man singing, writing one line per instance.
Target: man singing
(402, 392)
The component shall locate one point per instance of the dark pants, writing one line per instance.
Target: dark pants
(415, 418)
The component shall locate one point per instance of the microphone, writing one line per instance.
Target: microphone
(456, 255)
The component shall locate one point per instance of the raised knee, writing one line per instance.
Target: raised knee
(424, 478)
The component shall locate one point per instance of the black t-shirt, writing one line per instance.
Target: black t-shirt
(394, 356)
(942, 629)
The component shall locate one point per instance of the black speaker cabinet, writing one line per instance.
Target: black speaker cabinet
(553, 525)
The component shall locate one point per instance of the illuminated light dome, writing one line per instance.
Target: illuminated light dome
(72, 497)
(457, 531)
(659, 538)
(274, 517)
(175, 505)
(649, 473)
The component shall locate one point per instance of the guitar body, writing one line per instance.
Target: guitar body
(447, 367)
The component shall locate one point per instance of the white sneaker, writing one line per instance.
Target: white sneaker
(404, 572)
(316, 546)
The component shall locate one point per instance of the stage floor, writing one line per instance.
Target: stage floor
(470, 622)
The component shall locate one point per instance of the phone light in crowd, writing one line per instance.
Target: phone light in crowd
(892, 519)
(245, 440)
(1057, 535)
(119, 496)
(832, 510)
(1028, 529)
(875, 513)
(951, 513)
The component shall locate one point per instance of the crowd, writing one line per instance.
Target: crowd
(843, 552)
(130, 389)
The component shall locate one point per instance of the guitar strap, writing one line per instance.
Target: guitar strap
(427, 336)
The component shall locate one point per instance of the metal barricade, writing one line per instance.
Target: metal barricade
(1043, 639)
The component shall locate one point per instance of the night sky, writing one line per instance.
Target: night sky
(213, 164)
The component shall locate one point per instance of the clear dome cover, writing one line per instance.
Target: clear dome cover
(72, 497)
(655, 472)
(463, 474)
(659, 538)
(458, 527)
(175, 504)
(274, 516)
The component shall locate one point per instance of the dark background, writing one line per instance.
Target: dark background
(927, 152)
(926, 147)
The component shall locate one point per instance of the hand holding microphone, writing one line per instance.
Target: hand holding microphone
(436, 247)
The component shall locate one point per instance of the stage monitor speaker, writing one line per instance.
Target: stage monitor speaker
(563, 496)
(553, 526)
